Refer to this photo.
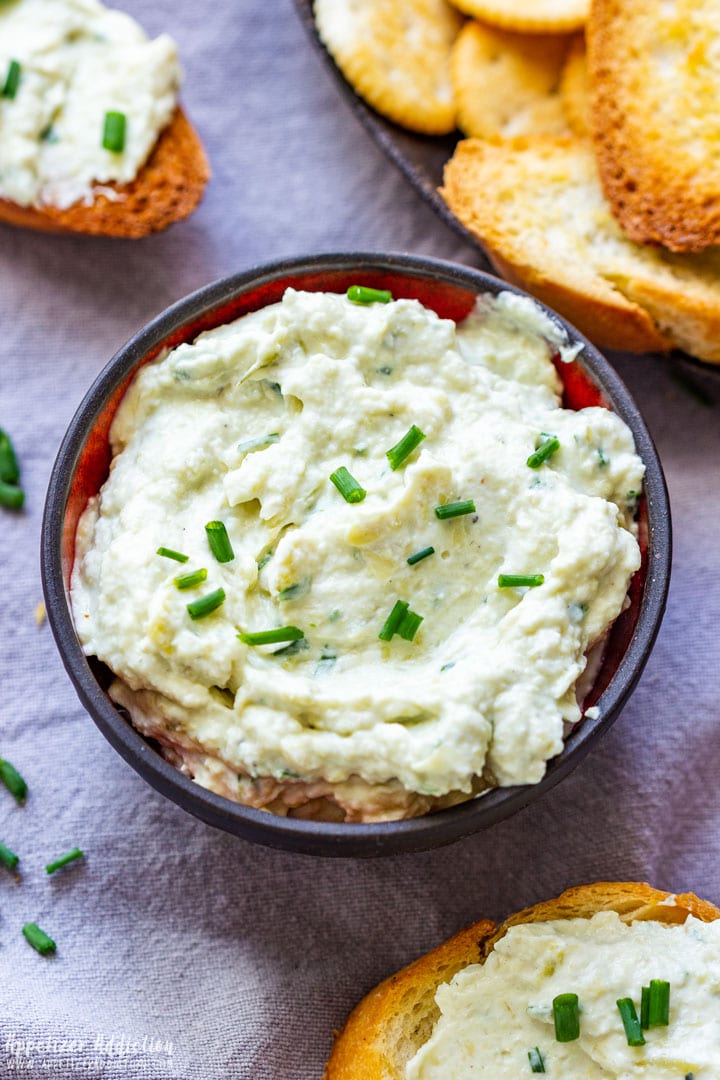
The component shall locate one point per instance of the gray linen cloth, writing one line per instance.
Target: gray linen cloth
(185, 953)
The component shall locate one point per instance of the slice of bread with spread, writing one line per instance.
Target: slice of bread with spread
(656, 81)
(537, 206)
(396, 1019)
(167, 189)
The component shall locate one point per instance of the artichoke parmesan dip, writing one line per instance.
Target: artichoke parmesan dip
(497, 1018)
(369, 466)
(64, 66)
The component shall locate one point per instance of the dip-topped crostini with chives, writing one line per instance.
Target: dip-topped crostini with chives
(351, 556)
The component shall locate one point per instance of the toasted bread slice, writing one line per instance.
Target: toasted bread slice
(396, 1018)
(396, 55)
(575, 88)
(656, 83)
(507, 84)
(537, 206)
(168, 188)
(529, 16)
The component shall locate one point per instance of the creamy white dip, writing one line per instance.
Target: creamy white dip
(245, 426)
(78, 61)
(493, 1014)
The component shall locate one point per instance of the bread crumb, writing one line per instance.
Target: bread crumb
(40, 614)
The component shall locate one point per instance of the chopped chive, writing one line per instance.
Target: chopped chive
(219, 541)
(347, 485)
(198, 609)
(537, 1061)
(114, 132)
(294, 592)
(520, 581)
(189, 581)
(12, 497)
(402, 450)
(69, 856)
(295, 647)
(13, 781)
(168, 553)
(603, 461)
(8, 857)
(566, 1014)
(409, 625)
(259, 443)
(689, 1076)
(549, 445)
(38, 939)
(645, 1008)
(455, 509)
(12, 80)
(633, 1031)
(393, 620)
(420, 555)
(9, 468)
(360, 294)
(264, 560)
(658, 1003)
(272, 637)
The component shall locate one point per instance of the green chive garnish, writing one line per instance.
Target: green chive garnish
(393, 620)
(219, 541)
(420, 555)
(549, 446)
(11, 496)
(8, 857)
(399, 453)
(63, 860)
(9, 468)
(347, 485)
(633, 1031)
(409, 625)
(689, 1076)
(12, 80)
(537, 1061)
(272, 637)
(645, 1008)
(566, 1014)
(168, 553)
(13, 781)
(38, 939)
(114, 132)
(359, 294)
(520, 581)
(658, 1003)
(455, 509)
(258, 444)
(198, 609)
(189, 581)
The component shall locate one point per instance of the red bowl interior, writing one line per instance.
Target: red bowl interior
(448, 300)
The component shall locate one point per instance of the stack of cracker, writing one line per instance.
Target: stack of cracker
(591, 174)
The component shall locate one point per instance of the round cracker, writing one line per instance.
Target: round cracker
(507, 84)
(529, 16)
(575, 88)
(396, 55)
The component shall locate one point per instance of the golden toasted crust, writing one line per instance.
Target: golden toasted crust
(396, 1018)
(656, 83)
(168, 188)
(396, 54)
(507, 83)
(575, 88)
(529, 16)
(537, 206)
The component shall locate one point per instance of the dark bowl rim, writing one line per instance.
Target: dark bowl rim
(295, 834)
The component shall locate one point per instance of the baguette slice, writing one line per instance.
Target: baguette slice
(167, 189)
(396, 1018)
(537, 206)
(655, 70)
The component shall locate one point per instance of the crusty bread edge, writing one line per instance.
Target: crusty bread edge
(363, 1049)
(167, 189)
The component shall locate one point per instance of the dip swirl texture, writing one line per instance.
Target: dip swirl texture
(245, 425)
